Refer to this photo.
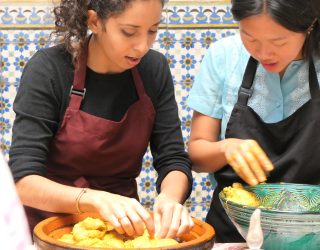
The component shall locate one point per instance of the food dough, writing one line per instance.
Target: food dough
(238, 194)
(93, 232)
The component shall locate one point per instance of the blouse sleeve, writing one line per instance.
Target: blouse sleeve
(206, 94)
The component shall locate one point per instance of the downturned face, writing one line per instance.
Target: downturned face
(274, 46)
(124, 39)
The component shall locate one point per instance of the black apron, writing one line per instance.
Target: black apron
(293, 146)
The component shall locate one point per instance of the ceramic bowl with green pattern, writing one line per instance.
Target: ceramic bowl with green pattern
(290, 215)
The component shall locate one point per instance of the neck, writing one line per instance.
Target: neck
(97, 61)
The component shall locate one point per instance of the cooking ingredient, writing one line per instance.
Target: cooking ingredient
(93, 232)
(239, 195)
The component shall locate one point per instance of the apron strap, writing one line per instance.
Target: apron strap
(245, 90)
(313, 79)
(138, 81)
(78, 91)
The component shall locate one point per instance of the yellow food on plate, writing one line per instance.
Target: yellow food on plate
(94, 232)
(238, 194)
(67, 238)
(89, 228)
(163, 242)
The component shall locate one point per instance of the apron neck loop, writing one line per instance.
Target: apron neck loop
(245, 90)
(313, 79)
(78, 91)
(138, 81)
(81, 68)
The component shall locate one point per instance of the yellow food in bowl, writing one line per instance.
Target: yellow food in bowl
(93, 232)
(238, 194)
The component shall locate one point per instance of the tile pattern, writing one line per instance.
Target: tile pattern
(186, 32)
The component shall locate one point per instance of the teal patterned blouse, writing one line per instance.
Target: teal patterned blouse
(215, 89)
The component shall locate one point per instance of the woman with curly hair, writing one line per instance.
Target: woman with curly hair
(86, 111)
(256, 99)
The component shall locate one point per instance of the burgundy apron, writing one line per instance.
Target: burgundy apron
(292, 145)
(89, 151)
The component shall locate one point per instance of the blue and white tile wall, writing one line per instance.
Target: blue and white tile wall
(187, 30)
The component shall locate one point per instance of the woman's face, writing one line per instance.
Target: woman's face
(274, 46)
(122, 40)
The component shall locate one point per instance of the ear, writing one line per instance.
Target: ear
(93, 21)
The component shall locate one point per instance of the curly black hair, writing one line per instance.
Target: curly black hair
(71, 20)
(298, 16)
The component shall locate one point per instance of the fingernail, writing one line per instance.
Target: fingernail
(254, 182)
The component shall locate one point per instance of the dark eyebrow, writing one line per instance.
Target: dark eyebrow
(137, 26)
(275, 39)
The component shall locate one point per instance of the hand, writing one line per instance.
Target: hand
(171, 219)
(127, 215)
(248, 160)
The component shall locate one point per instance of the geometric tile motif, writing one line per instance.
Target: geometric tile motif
(184, 46)
(174, 14)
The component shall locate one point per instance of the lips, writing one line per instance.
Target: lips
(133, 60)
(267, 63)
(270, 66)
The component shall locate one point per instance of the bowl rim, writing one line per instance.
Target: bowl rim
(39, 234)
(278, 184)
(223, 200)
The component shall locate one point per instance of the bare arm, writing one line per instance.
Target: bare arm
(206, 152)
(126, 214)
(42, 193)
(246, 157)
(170, 181)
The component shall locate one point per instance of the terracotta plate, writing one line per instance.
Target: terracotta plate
(49, 230)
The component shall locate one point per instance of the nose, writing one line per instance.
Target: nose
(264, 52)
(143, 45)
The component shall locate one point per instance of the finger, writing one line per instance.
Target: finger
(127, 226)
(144, 215)
(175, 221)
(261, 156)
(121, 215)
(253, 163)
(244, 170)
(191, 222)
(115, 223)
(186, 222)
(109, 215)
(136, 222)
(157, 222)
(236, 169)
(166, 218)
